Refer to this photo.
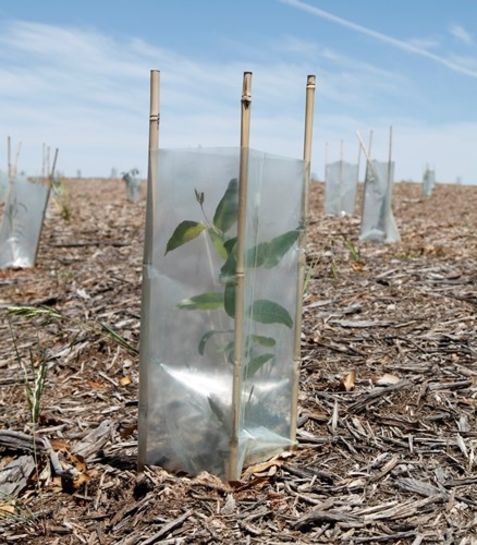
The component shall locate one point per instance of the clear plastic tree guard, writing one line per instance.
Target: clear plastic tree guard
(3, 186)
(341, 180)
(377, 222)
(22, 222)
(188, 327)
(428, 182)
(133, 185)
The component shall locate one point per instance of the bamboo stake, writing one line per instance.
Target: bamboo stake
(369, 164)
(309, 111)
(50, 181)
(233, 472)
(53, 166)
(17, 155)
(340, 184)
(359, 161)
(154, 118)
(43, 161)
(387, 206)
(370, 143)
(9, 158)
(390, 156)
(326, 159)
(366, 154)
(47, 160)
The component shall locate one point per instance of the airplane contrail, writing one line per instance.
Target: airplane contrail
(395, 42)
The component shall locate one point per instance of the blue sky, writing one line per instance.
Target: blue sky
(75, 75)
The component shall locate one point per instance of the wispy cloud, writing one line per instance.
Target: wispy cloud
(88, 93)
(461, 34)
(404, 45)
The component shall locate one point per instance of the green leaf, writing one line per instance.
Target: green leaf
(227, 209)
(257, 255)
(185, 231)
(229, 299)
(256, 363)
(230, 245)
(211, 300)
(268, 312)
(227, 271)
(206, 336)
(229, 351)
(279, 246)
(203, 341)
(263, 341)
(218, 243)
(269, 254)
(217, 410)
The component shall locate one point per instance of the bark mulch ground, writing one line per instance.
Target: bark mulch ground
(387, 418)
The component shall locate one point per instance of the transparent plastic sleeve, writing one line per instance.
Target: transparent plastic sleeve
(341, 180)
(377, 222)
(188, 329)
(133, 187)
(428, 182)
(3, 187)
(22, 222)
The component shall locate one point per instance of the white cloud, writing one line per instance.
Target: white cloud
(404, 45)
(461, 34)
(89, 96)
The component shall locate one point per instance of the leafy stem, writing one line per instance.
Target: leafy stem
(264, 255)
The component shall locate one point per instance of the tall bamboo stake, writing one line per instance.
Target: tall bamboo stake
(154, 118)
(366, 154)
(50, 181)
(326, 159)
(390, 156)
(359, 161)
(9, 158)
(370, 165)
(53, 166)
(370, 143)
(340, 185)
(309, 110)
(47, 160)
(388, 184)
(17, 156)
(246, 106)
(44, 174)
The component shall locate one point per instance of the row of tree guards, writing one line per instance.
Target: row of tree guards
(222, 300)
(24, 203)
(341, 181)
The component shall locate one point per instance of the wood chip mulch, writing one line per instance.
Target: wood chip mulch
(388, 402)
